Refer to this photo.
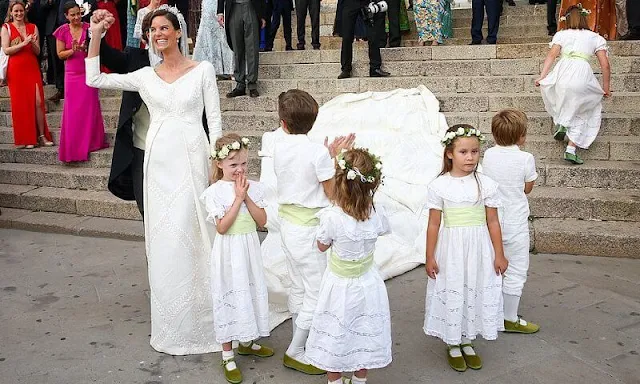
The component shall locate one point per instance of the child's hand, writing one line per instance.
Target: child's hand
(500, 265)
(607, 93)
(538, 80)
(432, 268)
(242, 186)
(340, 143)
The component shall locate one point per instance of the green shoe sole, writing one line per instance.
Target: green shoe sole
(560, 133)
(307, 369)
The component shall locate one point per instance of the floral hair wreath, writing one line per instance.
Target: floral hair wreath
(224, 151)
(462, 132)
(583, 12)
(353, 172)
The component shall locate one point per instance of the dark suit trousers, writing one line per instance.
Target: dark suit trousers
(494, 7)
(393, 13)
(301, 15)
(56, 65)
(552, 23)
(137, 177)
(280, 9)
(244, 29)
(633, 16)
(350, 13)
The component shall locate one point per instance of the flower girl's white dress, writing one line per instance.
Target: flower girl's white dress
(238, 287)
(465, 298)
(351, 327)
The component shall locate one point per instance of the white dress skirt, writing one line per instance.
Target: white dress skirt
(351, 328)
(465, 298)
(571, 92)
(238, 287)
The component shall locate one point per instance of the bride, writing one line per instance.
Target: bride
(176, 172)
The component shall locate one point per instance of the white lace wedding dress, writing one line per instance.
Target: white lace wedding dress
(176, 172)
(211, 40)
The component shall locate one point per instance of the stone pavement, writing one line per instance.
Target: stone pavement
(75, 310)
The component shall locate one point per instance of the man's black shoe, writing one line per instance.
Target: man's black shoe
(300, 47)
(236, 92)
(378, 73)
(344, 75)
(511, 3)
(253, 93)
(288, 48)
(316, 46)
(630, 36)
(475, 43)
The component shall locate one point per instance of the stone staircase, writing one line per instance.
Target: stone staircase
(593, 209)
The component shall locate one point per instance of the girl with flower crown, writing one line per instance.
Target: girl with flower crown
(600, 15)
(465, 258)
(235, 205)
(351, 326)
(571, 92)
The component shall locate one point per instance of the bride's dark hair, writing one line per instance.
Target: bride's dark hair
(173, 19)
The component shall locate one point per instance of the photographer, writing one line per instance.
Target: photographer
(373, 14)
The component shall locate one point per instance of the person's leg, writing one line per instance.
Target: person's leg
(137, 176)
(314, 13)
(375, 59)
(394, 23)
(286, 25)
(633, 18)
(275, 24)
(231, 371)
(57, 68)
(349, 15)
(359, 377)
(477, 19)
(552, 22)
(493, 20)
(236, 32)
(252, 46)
(301, 16)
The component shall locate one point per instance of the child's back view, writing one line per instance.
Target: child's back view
(304, 171)
(515, 172)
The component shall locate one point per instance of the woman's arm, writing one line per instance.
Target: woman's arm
(8, 50)
(63, 53)
(35, 43)
(495, 232)
(137, 29)
(211, 100)
(433, 228)
(548, 62)
(603, 59)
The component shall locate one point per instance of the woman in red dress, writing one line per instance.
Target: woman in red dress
(21, 43)
(113, 37)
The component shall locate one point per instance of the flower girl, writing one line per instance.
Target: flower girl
(240, 301)
(465, 257)
(571, 92)
(351, 327)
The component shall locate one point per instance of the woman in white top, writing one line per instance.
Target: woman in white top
(571, 93)
(176, 173)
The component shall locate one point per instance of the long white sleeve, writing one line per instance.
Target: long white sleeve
(137, 29)
(96, 79)
(211, 102)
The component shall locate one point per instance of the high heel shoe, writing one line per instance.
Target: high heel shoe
(42, 140)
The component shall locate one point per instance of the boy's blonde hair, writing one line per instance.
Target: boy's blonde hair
(298, 110)
(355, 196)
(509, 126)
(222, 141)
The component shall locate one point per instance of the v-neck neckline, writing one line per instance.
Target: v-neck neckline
(179, 78)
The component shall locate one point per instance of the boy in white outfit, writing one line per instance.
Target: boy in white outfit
(305, 179)
(515, 172)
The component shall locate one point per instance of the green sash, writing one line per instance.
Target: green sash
(299, 215)
(465, 216)
(576, 55)
(350, 269)
(244, 224)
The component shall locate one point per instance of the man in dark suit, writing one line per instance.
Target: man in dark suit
(494, 8)
(552, 21)
(394, 37)
(633, 17)
(55, 72)
(243, 19)
(281, 8)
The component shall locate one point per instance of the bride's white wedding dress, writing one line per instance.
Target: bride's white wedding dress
(176, 171)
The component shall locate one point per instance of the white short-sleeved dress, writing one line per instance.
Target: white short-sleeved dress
(571, 92)
(465, 298)
(351, 327)
(238, 287)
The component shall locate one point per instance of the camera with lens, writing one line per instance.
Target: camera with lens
(372, 8)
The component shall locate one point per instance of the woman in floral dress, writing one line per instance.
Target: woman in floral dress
(433, 20)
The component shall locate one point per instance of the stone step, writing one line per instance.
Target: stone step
(107, 103)
(583, 237)
(623, 102)
(54, 118)
(50, 90)
(57, 176)
(6, 135)
(585, 203)
(62, 200)
(592, 174)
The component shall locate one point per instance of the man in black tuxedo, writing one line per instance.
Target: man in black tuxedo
(633, 17)
(243, 19)
(493, 8)
(552, 18)
(55, 73)
(126, 177)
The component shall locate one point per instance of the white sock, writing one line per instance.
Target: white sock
(226, 355)
(339, 381)
(571, 149)
(255, 346)
(356, 380)
(467, 349)
(296, 348)
(454, 351)
(511, 304)
(294, 317)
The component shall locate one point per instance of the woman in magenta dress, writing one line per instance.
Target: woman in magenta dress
(82, 127)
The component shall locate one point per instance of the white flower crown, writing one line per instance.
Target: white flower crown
(583, 12)
(353, 172)
(223, 152)
(462, 132)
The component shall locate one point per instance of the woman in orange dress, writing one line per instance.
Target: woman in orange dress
(602, 19)
(21, 43)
